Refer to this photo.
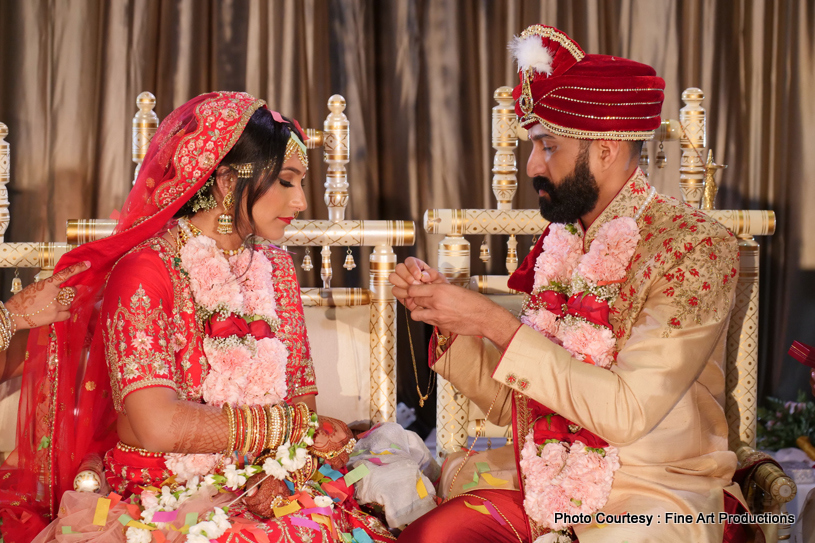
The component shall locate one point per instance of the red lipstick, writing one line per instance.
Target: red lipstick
(286, 220)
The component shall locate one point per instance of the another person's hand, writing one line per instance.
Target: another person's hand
(413, 272)
(46, 301)
(330, 440)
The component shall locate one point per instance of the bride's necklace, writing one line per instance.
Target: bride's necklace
(193, 231)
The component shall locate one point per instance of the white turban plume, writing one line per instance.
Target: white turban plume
(529, 52)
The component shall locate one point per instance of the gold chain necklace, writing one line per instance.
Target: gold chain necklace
(195, 231)
(431, 381)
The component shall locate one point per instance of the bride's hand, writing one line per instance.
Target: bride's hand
(259, 500)
(331, 437)
(46, 301)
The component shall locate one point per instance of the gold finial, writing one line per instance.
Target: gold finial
(336, 104)
(711, 189)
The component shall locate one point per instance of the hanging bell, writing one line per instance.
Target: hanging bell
(307, 265)
(484, 254)
(661, 159)
(349, 261)
(16, 285)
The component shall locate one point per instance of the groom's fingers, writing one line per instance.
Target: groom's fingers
(415, 266)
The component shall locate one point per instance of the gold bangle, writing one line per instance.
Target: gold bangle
(230, 417)
(6, 325)
(277, 423)
(260, 429)
(247, 442)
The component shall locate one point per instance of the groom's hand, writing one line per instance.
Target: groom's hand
(457, 310)
(413, 272)
(450, 308)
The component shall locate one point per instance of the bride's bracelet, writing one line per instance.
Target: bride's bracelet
(7, 327)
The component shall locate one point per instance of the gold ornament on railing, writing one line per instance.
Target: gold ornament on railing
(484, 253)
(512, 254)
(349, 261)
(645, 160)
(326, 273)
(662, 160)
(307, 265)
(709, 198)
(16, 283)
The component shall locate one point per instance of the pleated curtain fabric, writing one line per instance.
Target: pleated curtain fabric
(418, 77)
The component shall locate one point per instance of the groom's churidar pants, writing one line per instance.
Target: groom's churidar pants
(454, 522)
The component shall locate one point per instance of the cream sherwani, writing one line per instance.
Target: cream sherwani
(662, 402)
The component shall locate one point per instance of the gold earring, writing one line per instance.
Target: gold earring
(225, 218)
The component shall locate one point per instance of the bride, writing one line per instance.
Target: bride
(185, 364)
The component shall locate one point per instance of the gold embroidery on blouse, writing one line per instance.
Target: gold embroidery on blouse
(136, 346)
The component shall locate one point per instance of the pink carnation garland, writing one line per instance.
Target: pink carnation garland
(242, 370)
(559, 477)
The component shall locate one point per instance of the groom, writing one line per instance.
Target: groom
(620, 351)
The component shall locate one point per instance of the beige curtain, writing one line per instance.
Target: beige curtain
(418, 77)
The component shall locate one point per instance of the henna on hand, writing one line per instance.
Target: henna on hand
(331, 436)
(259, 500)
(36, 305)
(198, 428)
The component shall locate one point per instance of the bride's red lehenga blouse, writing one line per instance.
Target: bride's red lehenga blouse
(143, 334)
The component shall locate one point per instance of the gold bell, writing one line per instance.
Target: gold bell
(307, 265)
(484, 253)
(661, 159)
(349, 261)
(16, 283)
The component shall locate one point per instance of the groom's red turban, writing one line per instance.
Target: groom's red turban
(583, 96)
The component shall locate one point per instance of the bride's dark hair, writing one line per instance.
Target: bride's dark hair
(263, 144)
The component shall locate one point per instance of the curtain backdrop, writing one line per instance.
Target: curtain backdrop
(418, 77)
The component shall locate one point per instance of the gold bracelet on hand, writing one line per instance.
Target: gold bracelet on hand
(247, 442)
(7, 327)
(230, 416)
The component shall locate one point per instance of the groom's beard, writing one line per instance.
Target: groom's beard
(576, 195)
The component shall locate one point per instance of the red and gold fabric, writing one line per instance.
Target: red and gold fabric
(583, 96)
(151, 335)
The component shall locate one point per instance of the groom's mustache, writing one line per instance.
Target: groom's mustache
(541, 183)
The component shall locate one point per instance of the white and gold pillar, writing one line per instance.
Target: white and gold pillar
(692, 143)
(504, 141)
(383, 335)
(336, 146)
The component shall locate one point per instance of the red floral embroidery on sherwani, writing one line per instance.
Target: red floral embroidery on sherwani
(679, 287)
